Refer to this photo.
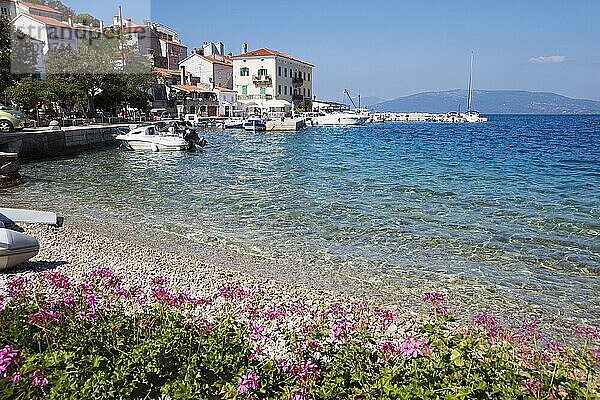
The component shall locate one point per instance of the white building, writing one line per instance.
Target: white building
(266, 74)
(208, 101)
(212, 70)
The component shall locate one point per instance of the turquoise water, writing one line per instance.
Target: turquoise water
(512, 206)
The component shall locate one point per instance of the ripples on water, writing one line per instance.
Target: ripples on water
(512, 205)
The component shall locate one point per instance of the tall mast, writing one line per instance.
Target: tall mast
(470, 101)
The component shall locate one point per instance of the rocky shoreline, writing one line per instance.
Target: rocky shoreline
(138, 254)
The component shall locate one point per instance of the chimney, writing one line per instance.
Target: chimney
(230, 54)
(183, 74)
(244, 47)
(101, 26)
(70, 21)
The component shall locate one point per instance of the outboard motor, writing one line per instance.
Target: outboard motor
(191, 136)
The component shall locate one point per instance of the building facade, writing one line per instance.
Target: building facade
(266, 74)
(8, 9)
(214, 70)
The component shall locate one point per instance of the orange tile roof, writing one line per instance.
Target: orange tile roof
(40, 7)
(190, 88)
(264, 52)
(217, 61)
(49, 21)
(167, 72)
(173, 43)
(82, 27)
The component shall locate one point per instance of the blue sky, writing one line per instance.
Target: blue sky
(395, 48)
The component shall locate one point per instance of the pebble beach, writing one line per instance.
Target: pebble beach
(137, 255)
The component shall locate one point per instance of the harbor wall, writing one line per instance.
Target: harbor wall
(39, 145)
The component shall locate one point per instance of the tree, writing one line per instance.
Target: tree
(30, 93)
(86, 19)
(97, 70)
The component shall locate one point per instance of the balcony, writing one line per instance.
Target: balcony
(297, 82)
(262, 80)
(255, 97)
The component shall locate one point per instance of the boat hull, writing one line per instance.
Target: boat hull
(154, 144)
(340, 120)
(16, 248)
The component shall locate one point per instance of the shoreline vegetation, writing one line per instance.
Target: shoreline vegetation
(97, 315)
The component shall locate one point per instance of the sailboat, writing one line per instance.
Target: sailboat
(472, 116)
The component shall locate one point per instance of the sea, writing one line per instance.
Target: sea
(508, 209)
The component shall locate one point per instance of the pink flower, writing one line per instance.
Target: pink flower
(339, 329)
(43, 317)
(16, 377)
(39, 380)
(305, 371)
(17, 286)
(587, 332)
(487, 320)
(58, 280)
(234, 291)
(2, 303)
(158, 281)
(7, 355)
(435, 298)
(247, 382)
(413, 347)
(255, 331)
(386, 317)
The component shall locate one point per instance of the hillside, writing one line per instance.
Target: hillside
(491, 102)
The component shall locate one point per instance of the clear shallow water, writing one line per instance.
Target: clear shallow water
(511, 207)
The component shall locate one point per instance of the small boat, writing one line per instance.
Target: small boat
(147, 137)
(340, 119)
(472, 116)
(255, 124)
(16, 247)
(233, 124)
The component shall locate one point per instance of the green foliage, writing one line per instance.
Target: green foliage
(99, 340)
(96, 72)
(30, 93)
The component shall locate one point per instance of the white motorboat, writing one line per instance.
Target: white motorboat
(16, 247)
(255, 124)
(347, 118)
(147, 137)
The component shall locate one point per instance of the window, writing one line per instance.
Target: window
(279, 71)
(304, 92)
(279, 87)
(285, 90)
(262, 72)
(309, 93)
(5, 12)
(244, 89)
(244, 71)
(285, 72)
(309, 76)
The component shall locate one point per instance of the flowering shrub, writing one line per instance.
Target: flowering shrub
(99, 339)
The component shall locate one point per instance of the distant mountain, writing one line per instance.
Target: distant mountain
(369, 101)
(491, 102)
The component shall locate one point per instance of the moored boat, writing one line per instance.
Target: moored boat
(255, 124)
(147, 137)
(340, 119)
(16, 247)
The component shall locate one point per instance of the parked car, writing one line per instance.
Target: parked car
(166, 115)
(12, 120)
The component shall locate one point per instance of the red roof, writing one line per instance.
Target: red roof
(173, 43)
(167, 72)
(49, 21)
(40, 7)
(190, 88)
(228, 62)
(264, 52)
